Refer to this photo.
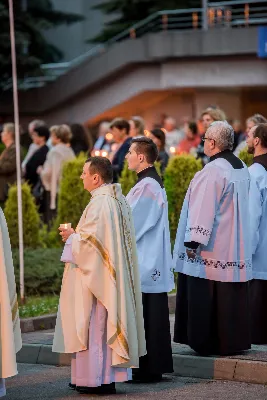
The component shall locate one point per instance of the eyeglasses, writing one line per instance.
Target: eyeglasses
(206, 138)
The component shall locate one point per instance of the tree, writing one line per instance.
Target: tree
(131, 11)
(32, 18)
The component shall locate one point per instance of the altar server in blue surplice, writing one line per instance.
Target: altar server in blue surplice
(257, 145)
(149, 206)
(213, 252)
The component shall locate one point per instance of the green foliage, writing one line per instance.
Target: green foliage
(178, 174)
(246, 157)
(127, 180)
(128, 12)
(43, 271)
(37, 306)
(72, 198)
(32, 47)
(31, 218)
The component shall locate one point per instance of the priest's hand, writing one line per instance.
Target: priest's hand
(65, 233)
(191, 254)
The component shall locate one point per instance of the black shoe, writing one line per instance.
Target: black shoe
(72, 386)
(100, 390)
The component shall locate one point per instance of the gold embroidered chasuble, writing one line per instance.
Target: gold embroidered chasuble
(106, 267)
(10, 334)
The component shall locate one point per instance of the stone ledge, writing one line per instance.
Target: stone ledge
(184, 365)
(49, 321)
(38, 323)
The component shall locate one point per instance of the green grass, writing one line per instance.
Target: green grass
(37, 306)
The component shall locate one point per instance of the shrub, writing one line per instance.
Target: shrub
(129, 178)
(178, 174)
(31, 218)
(43, 271)
(72, 198)
(246, 157)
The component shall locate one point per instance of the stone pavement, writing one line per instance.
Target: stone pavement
(250, 366)
(43, 382)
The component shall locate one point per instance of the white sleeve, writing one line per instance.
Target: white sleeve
(67, 254)
(255, 212)
(205, 195)
(147, 204)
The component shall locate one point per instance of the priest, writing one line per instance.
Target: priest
(213, 252)
(149, 206)
(257, 145)
(100, 319)
(10, 334)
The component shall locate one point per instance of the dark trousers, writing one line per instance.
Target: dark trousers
(212, 317)
(258, 307)
(158, 359)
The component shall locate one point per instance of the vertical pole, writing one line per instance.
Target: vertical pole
(205, 15)
(17, 136)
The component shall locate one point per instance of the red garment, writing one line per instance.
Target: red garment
(186, 145)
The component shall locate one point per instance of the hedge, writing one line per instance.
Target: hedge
(178, 174)
(129, 178)
(43, 271)
(72, 198)
(31, 218)
(246, 157)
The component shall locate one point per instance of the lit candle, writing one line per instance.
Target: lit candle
(97, 153)
(172, 150)
(104, 153)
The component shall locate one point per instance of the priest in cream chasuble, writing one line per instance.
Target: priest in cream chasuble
(100, 316)
(213, 252)
(10, 334)
(149, 206)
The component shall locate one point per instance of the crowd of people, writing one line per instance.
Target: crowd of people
(113, 311)
(51, 147)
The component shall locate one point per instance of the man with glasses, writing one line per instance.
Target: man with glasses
(213, 252)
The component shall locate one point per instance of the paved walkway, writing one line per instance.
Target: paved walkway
(257, 353)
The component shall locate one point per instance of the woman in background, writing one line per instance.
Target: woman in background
(191, 140)
(158, 137)
(51, 172)
(137, 125)
(81, 140)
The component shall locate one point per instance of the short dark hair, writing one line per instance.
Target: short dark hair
(42, 131)
(101, 166)
(121, 124)
(146, 146)
(159, 134)
(193, 127)
(261, 133)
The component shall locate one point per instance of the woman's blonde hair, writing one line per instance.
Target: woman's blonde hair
(215, 113)
(62, 132)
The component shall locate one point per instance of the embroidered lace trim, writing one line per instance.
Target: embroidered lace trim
(199, 229)
(208, 262)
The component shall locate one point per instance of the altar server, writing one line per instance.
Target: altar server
(100, 316)
(257, 145)
(149, 206)
(213, 252)
(10, 334)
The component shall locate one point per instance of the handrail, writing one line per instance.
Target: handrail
(227, 14)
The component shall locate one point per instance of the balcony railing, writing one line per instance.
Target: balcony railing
(219, 15)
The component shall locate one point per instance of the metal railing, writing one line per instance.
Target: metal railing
(225, 14)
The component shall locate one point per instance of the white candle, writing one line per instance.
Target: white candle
(172, 150)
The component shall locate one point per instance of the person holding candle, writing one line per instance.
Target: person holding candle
(100, 316)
